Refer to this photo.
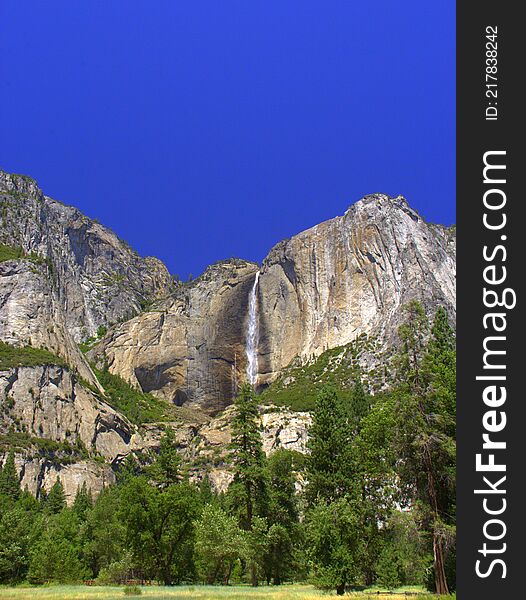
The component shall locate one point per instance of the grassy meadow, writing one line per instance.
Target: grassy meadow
(285, 592)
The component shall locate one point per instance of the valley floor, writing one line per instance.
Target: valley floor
(286, 592)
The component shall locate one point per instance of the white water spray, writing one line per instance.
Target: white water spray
(252, 341)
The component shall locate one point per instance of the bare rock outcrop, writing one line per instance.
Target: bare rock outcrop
(49, 402)
(98, 279)
(320, 289)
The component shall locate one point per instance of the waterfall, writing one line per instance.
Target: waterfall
(252, 340)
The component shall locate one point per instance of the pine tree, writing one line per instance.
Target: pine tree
(329, 465)
(249, 488)
(83, 501)
(56, 499)
(359, 405)
(424, 414)
(9, 480)
(165, 470)
(283, 516)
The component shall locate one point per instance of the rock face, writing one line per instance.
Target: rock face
(191, 350)
(320, 289)
(326, 286)
(39, 475)
(185, 343)
(48, 402)
(31, 314)
(98, 278)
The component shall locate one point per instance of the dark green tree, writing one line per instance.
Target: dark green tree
(56, 499)
(159, 528)
(283, 517)
(248, 491)
(166, 469)
(359, 405)
(248, 458)
(424, 433)
(330, 463)
(9, 480)
(83, 501)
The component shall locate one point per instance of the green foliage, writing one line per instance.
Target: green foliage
(55, 501)
(388, 569)
(10, 252)
(299, 384)
(62, 452)
(102, 331)
(159, 528)
(18, 525)
(105, 552)
(334, 543)
(132, 590)
(248, 492)
(420, 413)
(18, 253)
(9, 480)
(330, 463)
(403, 559)
(137, 406)
(165, 470)
(57, 555)
(83, 501)
(219, 543)
(26, 356)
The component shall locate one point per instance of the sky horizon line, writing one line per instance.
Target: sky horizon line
(226, 258)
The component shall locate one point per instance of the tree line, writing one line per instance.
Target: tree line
(372, 502)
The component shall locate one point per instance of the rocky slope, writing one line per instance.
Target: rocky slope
(63, 276)
(320, 289)
(97, 277)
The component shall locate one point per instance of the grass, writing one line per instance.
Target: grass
(285, 592)
(26, 356)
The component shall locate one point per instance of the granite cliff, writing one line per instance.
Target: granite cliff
(68, 282)
(320, 289)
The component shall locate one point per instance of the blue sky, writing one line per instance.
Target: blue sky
(202, 130)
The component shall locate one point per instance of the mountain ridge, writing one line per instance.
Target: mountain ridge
(74, 283)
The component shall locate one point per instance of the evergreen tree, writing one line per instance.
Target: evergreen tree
(207, 493)
(166, 469)
(248, 491)
(335, 506)
(128, 469)
(56, 499)
(283, 517)
(83, 501)
(330, 464)
(9, 480)
(359, 405)
(424, 440)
